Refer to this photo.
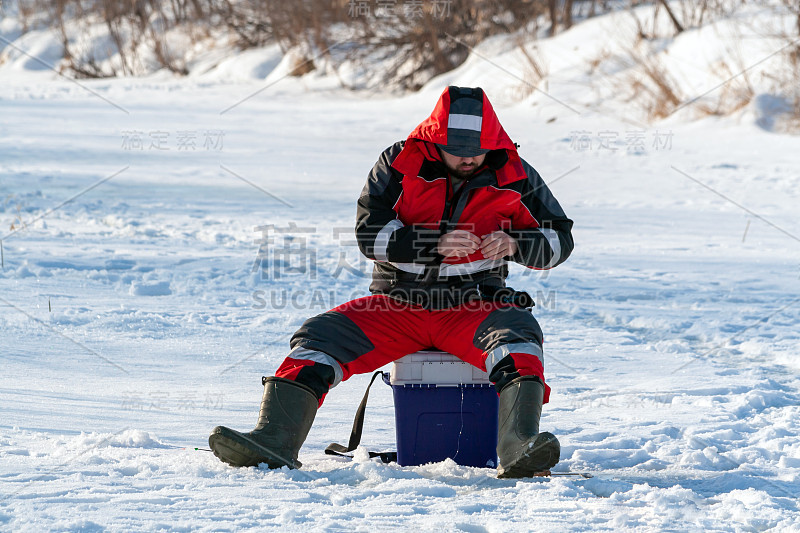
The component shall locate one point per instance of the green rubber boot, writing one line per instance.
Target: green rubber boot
(521, 450)
(287, 412)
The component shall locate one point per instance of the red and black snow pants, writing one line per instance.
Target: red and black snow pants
(365, 334)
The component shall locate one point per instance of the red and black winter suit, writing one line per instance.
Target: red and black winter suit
(420, 300)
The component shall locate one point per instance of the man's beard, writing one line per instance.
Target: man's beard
(463, 172)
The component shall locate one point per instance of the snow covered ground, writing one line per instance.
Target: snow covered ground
(132, 320)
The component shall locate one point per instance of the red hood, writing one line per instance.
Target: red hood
(434, 130)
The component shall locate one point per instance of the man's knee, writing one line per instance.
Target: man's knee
(334, 334)
(507, 326)
(511, 340)
(317, 370)
(319, 349)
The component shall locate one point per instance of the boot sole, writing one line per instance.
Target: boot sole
(537, 459)
(236, 449)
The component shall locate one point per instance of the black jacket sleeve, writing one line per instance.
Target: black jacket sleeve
(380, 234)
(551, 243)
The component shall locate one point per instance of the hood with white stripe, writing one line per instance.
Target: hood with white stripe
(463, 116)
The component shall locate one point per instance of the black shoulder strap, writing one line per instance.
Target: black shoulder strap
(358, 427)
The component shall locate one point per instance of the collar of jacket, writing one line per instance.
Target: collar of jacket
(420, 158)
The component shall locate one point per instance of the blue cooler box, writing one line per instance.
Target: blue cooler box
(443, 408)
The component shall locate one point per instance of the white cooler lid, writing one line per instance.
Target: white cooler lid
(437, 368)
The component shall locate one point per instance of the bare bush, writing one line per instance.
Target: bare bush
(690, 14)
(421, 38)
(135, 28)
(247, 20)
(430, 41)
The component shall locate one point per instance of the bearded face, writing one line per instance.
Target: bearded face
(462, 167)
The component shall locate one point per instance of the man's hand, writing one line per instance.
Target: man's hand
(458, 243)
(498, 245)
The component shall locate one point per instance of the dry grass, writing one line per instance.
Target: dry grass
(534, 73)
(301, 65)
(732, 96)
(658, 93)
(786, 83)
(793, 75)
(594, 63)
(650, 83)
